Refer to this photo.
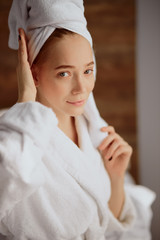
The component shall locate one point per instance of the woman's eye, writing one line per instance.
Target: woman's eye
(63, 74)
(88, 71)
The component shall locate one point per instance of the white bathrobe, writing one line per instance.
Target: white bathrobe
(52, 190)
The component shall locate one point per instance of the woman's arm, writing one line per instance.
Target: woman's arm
(23, 139)
(116, 201)
(23, 142)
(116, 154)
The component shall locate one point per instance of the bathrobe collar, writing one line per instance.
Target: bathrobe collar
(83, 164)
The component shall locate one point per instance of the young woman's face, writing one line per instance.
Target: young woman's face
(66, 79)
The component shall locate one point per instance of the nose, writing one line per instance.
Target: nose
(79, 85)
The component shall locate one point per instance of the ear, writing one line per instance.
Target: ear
(35, 73)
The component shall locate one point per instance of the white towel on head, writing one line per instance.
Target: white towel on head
(39, 19)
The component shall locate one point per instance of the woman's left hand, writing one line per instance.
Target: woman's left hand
(116, 153)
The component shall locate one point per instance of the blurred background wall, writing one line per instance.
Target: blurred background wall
(121, 99)
(8, 85)
(148, 100)
(112, 25)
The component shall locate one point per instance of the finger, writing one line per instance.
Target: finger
(104, 129)
(112, 149)
(108, 140)
(109, 129)
(122, 150)
(104, 153)
(22, 51)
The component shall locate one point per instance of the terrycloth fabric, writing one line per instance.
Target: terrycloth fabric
(51, 189)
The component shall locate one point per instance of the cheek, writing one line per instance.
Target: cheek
(91, 85)
(55, 91)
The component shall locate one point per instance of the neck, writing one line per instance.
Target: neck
(68, 127)
(65, 123)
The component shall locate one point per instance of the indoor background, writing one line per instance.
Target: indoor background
(126, 35)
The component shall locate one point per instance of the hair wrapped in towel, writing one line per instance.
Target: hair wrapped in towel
(39, 19)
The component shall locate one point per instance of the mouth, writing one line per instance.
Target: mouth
(77, 103)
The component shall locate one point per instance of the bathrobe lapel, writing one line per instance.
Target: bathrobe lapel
(84, 165)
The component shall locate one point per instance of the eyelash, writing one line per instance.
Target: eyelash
(85, 72)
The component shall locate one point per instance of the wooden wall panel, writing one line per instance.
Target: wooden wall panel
(112, 25)
(8, 59)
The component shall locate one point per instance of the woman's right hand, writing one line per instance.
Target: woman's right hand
(26, 86)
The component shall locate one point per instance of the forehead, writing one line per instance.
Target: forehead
(71, 49)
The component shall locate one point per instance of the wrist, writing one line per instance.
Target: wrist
(117, 197)
(117, 181)
(117, 187)
(25, 97)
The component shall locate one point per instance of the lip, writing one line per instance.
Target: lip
(77, 103)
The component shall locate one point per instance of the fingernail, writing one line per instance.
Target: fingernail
(19, 37)
(103, 129)
(100, 147)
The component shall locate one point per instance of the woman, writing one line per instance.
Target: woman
(57, 184)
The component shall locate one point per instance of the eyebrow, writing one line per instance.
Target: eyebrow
(70, 66)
